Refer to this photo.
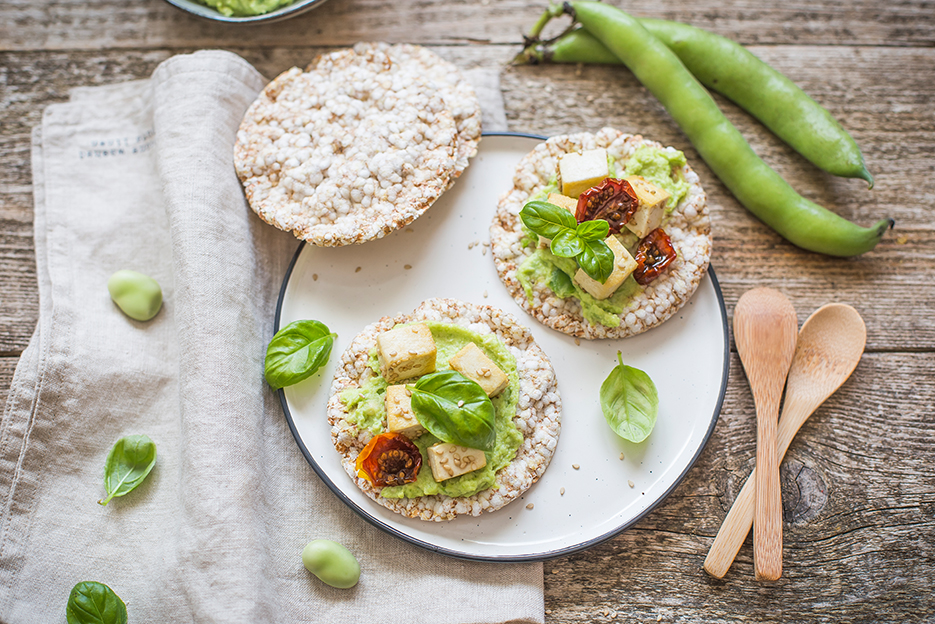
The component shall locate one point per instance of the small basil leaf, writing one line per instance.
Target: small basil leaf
(546, 219)
(630, 402)
(561, 284)
(566, 244)
(455, 409)
(296, 352)
(91, 602)
(129, 462)
(595, 229)
(597, 260)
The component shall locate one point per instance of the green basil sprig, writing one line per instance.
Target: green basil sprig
(91, 602)
(296, 352)
(582, 241)
(630, 402)
(129, 462)
(547, 219)
(455, 409)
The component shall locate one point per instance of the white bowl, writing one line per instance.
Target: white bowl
(201, 10)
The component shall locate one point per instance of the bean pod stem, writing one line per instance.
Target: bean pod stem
(755, 185)
(728, 68)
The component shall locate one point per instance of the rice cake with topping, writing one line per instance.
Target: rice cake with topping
(359, 144)
(687, 224)
(537, 413)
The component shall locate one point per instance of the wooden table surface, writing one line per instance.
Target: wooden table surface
(859, 479)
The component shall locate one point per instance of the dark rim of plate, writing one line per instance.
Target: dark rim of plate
(542, 556)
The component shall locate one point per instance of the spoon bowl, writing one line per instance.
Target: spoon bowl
(828, 350)
(830, 344)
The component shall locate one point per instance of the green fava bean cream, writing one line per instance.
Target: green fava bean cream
(367, 411)
(485, 451)
(542, 267)
(244, 8)
(656, 165)
(654, 259)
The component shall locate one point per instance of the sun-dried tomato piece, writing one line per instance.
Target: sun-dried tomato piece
(653, 255)
(389, 459)
(613, 200)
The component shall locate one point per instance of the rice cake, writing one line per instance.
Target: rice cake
(538, 411)
(359, 144)
(459, 97)
(688, 225)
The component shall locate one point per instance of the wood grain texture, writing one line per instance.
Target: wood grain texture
(19, 302)
(96, 24)
(895, 127)
(858, 520)
(7, 366)
(858, 483)
(829, 347)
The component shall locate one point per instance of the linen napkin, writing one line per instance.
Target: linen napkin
(140, 176)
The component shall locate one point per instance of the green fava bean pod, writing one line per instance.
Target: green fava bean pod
(138, 296)
(332, 563)
(730, 69)
(574, 46)
(755, 185)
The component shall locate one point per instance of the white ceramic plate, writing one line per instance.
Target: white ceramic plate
(349, 287)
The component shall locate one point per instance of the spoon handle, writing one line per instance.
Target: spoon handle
(739, 519)
(767, 525)
(733, 531)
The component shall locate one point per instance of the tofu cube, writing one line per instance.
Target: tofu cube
(562, 201)
(652, 208)
(448, 461)
(405, 352)
(582, 170)
(399, 415)
(624, 265)
(474, 364)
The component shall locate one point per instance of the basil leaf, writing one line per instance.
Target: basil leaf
(455, 409)
(566, 244)
(597, 260)
(546, 219)
(630, 402)
(296, 352)
(91, 602)
(595, 229)
(128, 464)
(561, 284)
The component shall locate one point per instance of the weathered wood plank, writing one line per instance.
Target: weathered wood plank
(857, 527)
(897, 131)
(856, 518)
(19, 302)
(7, 366)
(96, 24)
(858, 481)
(894, 133)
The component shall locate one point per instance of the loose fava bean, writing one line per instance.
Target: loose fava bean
(332, 563)
(755, 185)
(138, 295)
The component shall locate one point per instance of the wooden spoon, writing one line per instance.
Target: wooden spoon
(765, 329)
(829, 347)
